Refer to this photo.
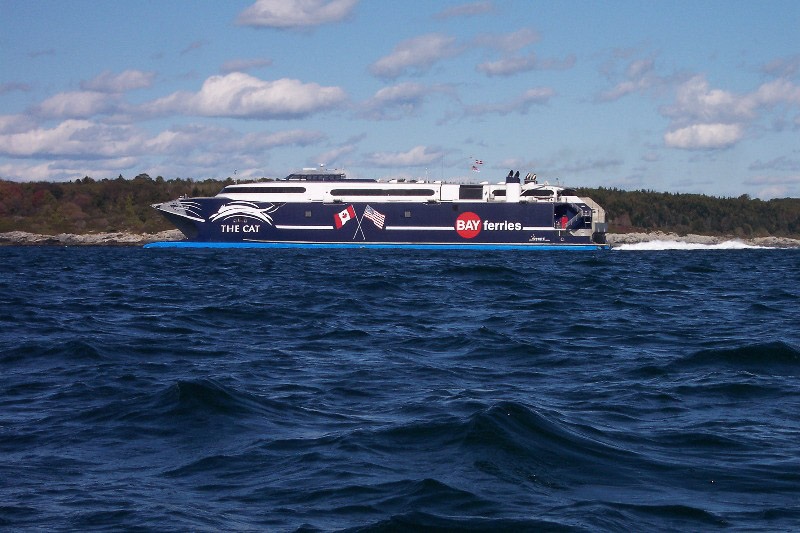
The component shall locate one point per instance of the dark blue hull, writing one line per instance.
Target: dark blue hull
(221, 220)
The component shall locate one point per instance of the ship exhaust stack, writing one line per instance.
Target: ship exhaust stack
(513, 187)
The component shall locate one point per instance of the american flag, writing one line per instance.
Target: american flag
(376, 218)
(475, 169)
(478, 161)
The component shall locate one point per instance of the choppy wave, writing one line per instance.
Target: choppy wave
(683, 245)
(759, 357)
(390, 390)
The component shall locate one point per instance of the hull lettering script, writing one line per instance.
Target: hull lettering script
(243, 228)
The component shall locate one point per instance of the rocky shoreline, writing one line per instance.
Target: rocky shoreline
(121, 238)
(23, 238)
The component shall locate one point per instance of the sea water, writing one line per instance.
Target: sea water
(396, 389)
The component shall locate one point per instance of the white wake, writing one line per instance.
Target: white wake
(681, 245)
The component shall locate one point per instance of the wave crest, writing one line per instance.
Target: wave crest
(753, 356)
(682, 245)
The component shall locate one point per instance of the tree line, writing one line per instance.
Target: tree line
(87, 205)
(697, 213)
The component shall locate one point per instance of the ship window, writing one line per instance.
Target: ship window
(470, 192)
(264, 190)
(538, 192)
(308, 213)
(382, 192)
(407, 214)
(317, 177)
(501, 192)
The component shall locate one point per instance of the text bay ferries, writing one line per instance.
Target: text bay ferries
(314, 208)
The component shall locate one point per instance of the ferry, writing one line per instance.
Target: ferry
(325, 208)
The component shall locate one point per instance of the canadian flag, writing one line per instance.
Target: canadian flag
(340, 219)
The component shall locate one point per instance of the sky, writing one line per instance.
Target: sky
(698, 97)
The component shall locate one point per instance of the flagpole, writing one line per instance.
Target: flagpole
(364, 237)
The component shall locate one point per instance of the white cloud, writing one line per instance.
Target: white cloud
(774, 92)
(515, 163)
(292, 137)
(465, 10)
(240, 95)
(399, 100)
(706, 118)
(704, 136)
(419, 156)
(87, 167)
(402, 92)
(781, 163)
(773, 191)
(87, 140)
(243, 65)
(24, 172)
(639, 77)
(77, 104)
(295, 13)
(72, 138)
(66, 169)
(508, 66)
(335, 155)
(196, 45)
(773, 180)
(418, 53)
(127, 80)
(784, 67)
(186, 139)
(508, 42)
(696, 101)
(513, 65)
(14, 86)
(258, 141)
(775, 186)
(583, 165)
(16, 123)
(521, 104)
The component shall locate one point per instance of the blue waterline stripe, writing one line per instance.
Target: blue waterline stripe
(186, 244)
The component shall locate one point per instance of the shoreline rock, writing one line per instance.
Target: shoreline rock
(121, 238)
